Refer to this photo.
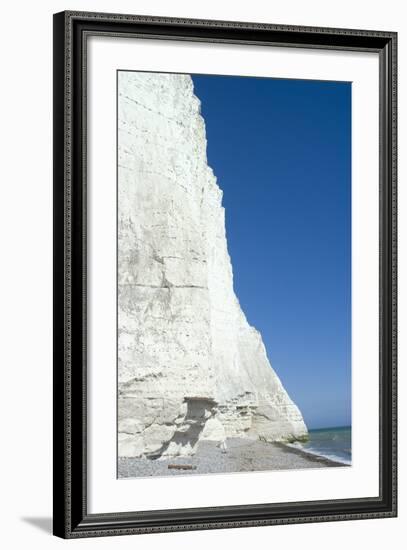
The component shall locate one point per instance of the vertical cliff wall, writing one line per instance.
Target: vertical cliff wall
(190, 366)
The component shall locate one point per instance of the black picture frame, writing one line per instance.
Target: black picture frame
(71, 519)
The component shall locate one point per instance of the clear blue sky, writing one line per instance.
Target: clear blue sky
(281, 150)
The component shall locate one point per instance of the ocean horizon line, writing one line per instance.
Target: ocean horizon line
(342, 427)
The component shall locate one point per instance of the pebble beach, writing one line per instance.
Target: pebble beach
(241, 455)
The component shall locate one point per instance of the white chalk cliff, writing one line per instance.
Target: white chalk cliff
(190, 367)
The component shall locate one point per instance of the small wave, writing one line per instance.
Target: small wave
(329, 456)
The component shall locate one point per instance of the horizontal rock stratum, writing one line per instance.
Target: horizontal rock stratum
(190, 367)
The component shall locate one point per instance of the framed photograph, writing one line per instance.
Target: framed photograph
(224, 274)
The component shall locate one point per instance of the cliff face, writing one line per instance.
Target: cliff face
(190, 366)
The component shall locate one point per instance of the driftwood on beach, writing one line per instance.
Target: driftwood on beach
(181, 467)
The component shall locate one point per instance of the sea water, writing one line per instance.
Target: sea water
(332, 443)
